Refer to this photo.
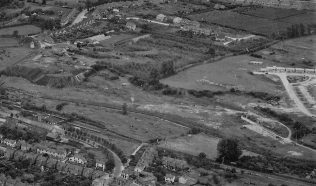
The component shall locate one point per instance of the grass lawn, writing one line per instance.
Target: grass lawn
(22, 30)
(8, 42)
(193, 144)
(9, 56)
(134, 125)
(224, 74)
(293, 51)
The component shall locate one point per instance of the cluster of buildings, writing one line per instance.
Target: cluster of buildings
(276, 69)
(50, 163)
(146, 159)
(132, 178)
(185, 24)
(59, 153)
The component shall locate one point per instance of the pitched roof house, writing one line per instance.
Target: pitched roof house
(10, 143)
(169, 178)
(100, 164)
(25, 146)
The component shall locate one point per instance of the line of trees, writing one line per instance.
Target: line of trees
(299, 129)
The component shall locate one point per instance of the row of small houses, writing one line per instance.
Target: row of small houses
(59, 153)
(288, 70)
(51, 163)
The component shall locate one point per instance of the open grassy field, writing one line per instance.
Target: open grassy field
(293, 51)
(224, 74)
(9, 56)
(193, 144)
(22, 30)
(269, 12)
(307, 18)
(8, 42)
(136, 126)
(248, 23)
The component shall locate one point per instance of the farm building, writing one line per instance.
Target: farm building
(78, 159)
(197, 30)
(169, 178)
(256, 62)
(177, 20)
(160, 17)
(131, 26)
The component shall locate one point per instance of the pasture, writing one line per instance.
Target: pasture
(269, 12)
(225, 74)
(8, 42)
(193, 144)
(9, 56)
(255, 25)
(22, 30)
(307, 18)
(299, 51)
(137, 126)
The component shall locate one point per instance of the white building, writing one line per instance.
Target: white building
(61, 154)
(78, 159)
(160, 17)
(10, 143)
(169, 178)
(131, 26)
(177, 20)
(100, 164)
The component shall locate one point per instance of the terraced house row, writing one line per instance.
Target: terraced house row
(50, 163)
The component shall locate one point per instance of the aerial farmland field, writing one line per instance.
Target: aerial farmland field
(307, 18)
(8, 42)
(270, 13)
(22, 30)
(248, 23)
(229, 72)
(193, 144)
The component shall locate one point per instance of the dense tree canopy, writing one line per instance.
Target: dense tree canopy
(228, 150)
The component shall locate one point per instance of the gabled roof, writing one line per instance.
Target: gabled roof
(79, 156)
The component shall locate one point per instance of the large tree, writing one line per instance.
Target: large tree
(228, 150)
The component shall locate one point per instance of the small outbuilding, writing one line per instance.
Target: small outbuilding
(131, 26)
(160, 17)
